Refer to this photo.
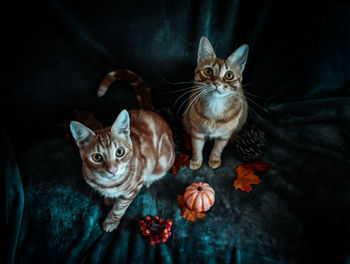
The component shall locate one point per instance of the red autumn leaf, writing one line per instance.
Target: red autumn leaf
(187, 140)
(180, 160)
(246, 177)
(188, 213)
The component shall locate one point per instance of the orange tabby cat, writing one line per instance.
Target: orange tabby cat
(217, 107)
(137, 149)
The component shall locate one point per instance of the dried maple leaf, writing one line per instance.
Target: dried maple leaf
(188, 213)
(246, 177)
(180, 160)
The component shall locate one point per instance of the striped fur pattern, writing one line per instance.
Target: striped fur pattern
(217, 107)
(117, 161)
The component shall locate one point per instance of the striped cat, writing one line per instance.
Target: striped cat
(137, 149)
(217, 107)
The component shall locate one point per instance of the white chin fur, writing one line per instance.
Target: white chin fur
(219, 93)
(218, 102)
(106, 176)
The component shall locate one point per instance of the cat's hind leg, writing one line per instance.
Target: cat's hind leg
(166, 158)
(152, 178)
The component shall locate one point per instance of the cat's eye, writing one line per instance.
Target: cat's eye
(120, 152)
(229, 75)
(97, 157)
(208, 71)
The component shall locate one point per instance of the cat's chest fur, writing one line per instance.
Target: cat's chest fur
(215, 119)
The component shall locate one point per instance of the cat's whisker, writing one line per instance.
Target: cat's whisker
(203, 83)
(256, 96)
(187, 99)
(180, 90)
(203, 94)
(244, 103)
(246, 84)
(240, 99)
(195, 89)
(194, 101)
(189, 82)
(196, 82)
(192, 95)
(254, 112)
(249, 108)
(253, 90)
(262, 108)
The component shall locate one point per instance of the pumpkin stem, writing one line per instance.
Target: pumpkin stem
(199, 189)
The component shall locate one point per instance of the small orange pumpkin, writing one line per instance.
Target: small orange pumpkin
(199, 197)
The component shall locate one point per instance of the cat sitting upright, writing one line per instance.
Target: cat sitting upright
(137, 149)
(217, 107)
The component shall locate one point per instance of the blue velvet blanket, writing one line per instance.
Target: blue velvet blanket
(298, 71)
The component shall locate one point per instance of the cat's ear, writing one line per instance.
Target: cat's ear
(81, 133)
(121, 125)
(205, 50)
(239, 57)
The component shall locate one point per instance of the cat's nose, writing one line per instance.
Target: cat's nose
(216, 83)
(113, 171)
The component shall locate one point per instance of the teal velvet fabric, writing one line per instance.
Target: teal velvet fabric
(12, 197)
(56, 53)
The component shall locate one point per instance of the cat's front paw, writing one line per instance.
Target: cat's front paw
(195, 165)
(214, 162)
(109, 225)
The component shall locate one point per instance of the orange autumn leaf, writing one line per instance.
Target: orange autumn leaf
(188, 213)
(246, 177)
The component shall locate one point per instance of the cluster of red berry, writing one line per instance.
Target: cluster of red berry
(156, 228)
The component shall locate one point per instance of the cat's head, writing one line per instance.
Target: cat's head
(106, 153)
(221, 77)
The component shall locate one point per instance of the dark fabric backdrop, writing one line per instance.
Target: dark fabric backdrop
(55, 53)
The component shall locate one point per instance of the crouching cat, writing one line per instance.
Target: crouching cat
(217, 107)
(137, 149)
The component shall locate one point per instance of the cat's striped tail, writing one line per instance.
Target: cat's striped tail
(141, 89)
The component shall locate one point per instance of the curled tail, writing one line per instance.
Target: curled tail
(141, 89)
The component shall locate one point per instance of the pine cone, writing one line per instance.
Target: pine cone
(249, 146)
